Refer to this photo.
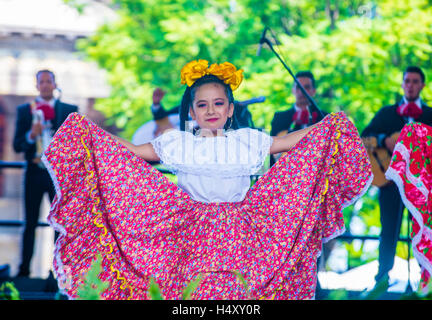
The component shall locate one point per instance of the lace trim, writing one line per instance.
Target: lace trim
(157, 146)
(62, 277)
(98, 220)
(234, 169)
(394, 175)
(405, 153)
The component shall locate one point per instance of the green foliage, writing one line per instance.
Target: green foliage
(339, 294)
(93, 286)
(154, 290)
(425, 294)
(356, 49)
(191, 287)
(378, 292)
(379, 289)
(9, 292)
(243, 281)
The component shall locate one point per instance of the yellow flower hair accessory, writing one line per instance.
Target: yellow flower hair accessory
(197, 69)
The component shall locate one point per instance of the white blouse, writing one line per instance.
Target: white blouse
(214, 169)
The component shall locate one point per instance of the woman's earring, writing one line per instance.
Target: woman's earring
(229, 127)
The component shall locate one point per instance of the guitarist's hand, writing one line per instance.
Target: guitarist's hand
(158, 94)
(36, 130)
(390, 143)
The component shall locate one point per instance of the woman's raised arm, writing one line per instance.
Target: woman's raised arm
(145, 151)
(286, 142)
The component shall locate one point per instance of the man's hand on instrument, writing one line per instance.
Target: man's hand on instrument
(390, 143)
(158, 95)
(36, 130)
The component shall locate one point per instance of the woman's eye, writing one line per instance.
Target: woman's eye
(201, 105)
(219, 103)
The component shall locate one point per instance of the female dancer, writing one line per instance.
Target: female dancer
(212, 224)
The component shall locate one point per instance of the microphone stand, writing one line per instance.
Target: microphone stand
(408, 288)
(311, 101)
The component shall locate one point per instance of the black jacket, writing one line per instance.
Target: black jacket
(24, 123)
(283, 120)
(387, 121)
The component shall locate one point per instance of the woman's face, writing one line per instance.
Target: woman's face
(211, 108)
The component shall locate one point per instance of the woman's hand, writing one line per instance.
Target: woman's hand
(145, 151)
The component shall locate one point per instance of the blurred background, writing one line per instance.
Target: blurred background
(108, 57)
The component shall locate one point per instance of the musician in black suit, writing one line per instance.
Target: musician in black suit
(389, 120)
(36, 123)
(300, 115)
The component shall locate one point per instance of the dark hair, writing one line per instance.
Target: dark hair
(189, 96)
(45, 71)
(415, 70)
(306, 74)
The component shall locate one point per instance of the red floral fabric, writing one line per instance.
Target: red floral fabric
(112, 202)
(411, 169)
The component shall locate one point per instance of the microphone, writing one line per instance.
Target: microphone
(251, 101)
(261, 42)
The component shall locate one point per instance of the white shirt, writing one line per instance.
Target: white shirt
(214, 169)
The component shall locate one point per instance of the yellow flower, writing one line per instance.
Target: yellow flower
(226, 72)
(227, 69)
(192, 71)
(235, 79)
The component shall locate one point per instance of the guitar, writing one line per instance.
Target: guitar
(379, 158)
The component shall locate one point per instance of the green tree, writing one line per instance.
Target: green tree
(356, 49)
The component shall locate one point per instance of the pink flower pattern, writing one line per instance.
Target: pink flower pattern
(112, 202)
(417, 139)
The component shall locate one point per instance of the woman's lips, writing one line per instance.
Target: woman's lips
(212, 119)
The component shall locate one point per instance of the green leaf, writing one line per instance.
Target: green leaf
(154, 290)
(379, 289)
(8, 291)
(93, 286)
(191, 287)
(242, 280)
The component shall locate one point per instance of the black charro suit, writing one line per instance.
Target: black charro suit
(36, 179)
(384, 124)
(387, 121)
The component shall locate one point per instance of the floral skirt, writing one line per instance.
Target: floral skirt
(111, 202)
(411, 170)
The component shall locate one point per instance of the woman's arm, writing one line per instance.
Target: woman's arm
(145, 151)
(286, 142)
